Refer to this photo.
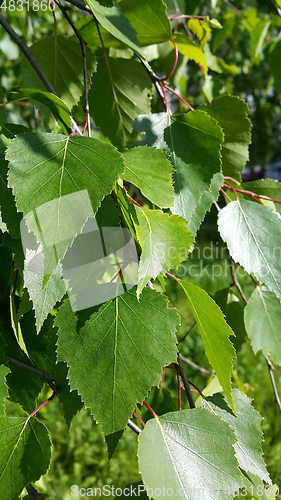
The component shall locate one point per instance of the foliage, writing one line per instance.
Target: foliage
(97, 231)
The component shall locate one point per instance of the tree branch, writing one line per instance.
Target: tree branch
(184, 378)
(81, 5)
(271, 368)
(33, 493)
(83, 50)
(133, 426)
(46, 376)
(202, 370)
(30, 57)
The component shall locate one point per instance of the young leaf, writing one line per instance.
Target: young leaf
(118, 349)
(61, 60)
(159, 235)
(215, 333)
(25, 454)
(242, 226)
(59, 109)
(191, 453)
(189, 48)
(262, 320)
(149, 18)
(120, 92)
(246, 426)
(150, 170)
(231, 113)
(113, 20)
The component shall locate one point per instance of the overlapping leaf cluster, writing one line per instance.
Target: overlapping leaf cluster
(109, 354)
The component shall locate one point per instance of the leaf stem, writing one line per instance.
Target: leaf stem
(191, 363)
(43, 404)
(175, 62)
(224, 193)
(138, 418)
(171, 276)
(165, 97)
(150, 409)
(179, 97)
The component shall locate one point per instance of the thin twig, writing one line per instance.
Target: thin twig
(187, 333)
(46, 376)
(83, 50)
(237, 11)
(30, 57)
(185, 383)
(271, 368)
(178, 12)
(191, 363)
(133, 426)
(234, 278)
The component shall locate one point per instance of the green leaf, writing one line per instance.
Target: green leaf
(9, 212)
(120, 90)
(3, 387)
(265, 187)
(149, 18)
(215, 334)
(118, 349)
(189, 48)
(44, 298)
(205, 202)
(159, 235)
(150, 170)
(61, 60)
(10, 130)
(231, 113)
(59, 109)
(59, 183)
(252, 233)
(233, 309)
(5, 271)
(258, 35)
(262, 321)
(113, 20)
(191, 453)
(70, 400)
(25, 454)
(274, 64)
(193, 140)
(246, 426)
